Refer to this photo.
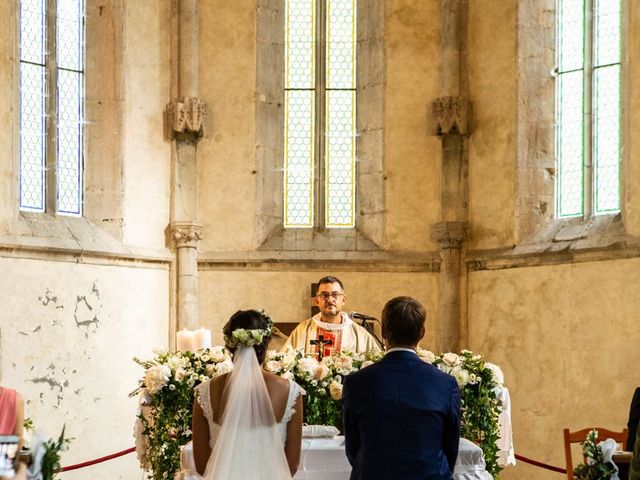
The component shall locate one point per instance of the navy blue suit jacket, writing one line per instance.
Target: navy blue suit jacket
(401, 420)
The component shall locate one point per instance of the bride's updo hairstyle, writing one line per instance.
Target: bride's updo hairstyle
(248, 328)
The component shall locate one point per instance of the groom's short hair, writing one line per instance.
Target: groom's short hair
(403, 321)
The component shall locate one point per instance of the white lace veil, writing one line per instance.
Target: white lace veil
(249, 445)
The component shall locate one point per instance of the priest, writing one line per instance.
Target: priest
(331, 330)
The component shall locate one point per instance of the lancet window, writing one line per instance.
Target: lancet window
(52, 65)
(587, 118)
(320, 114)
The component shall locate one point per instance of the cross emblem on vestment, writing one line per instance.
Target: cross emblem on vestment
(321, 342)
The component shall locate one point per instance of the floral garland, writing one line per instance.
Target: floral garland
(244, 337)
(322, 380)
(166, 395)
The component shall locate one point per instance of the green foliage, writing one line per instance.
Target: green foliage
(480, 409)
(51, 457)
(595, 468)
(28, 424)
(166, 395)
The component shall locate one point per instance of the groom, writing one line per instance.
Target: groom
(401, 415)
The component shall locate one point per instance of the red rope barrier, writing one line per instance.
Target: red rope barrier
(97, 460)
(133, 449)
(540, 464)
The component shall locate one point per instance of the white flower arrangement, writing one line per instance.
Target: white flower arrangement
(165, 397)
(166, 394)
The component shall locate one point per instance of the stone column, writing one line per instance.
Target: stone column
(451, 113)
(184, 126)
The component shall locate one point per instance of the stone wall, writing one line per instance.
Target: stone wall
(553, 304)
(82, 296)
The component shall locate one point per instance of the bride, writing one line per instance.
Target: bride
(247, 424)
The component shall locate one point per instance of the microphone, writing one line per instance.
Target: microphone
(361, 316)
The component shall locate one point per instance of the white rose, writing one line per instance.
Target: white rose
(176, 363)
(451, 359)
(180, 373)
(343, 363)
(224, 367)
(461, 376)
(426, 355)
(156, 378)
(321, 372)
(273, 366)
(307, 366)
(335, 389)
(443, 367)
(498, 376)
(288, 375)
(217, 353)
(160, 350)
(144, 398)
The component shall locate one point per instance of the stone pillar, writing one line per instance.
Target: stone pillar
(450, 237)
(186, 236)
(451, 114)
(184, 126)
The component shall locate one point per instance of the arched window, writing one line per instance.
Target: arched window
(320, 114)
(587, 118)
(52, 44)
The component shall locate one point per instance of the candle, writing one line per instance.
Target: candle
(185, 340)
(202, 338)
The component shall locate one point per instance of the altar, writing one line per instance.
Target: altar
(325, 459)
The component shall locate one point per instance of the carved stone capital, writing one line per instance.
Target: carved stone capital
(185, 116)
(186, 234)
(451, 116)
(449, 234)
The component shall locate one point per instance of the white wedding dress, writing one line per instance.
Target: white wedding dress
(248, 444)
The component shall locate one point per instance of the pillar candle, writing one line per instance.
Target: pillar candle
(184, 340)
(202, 338)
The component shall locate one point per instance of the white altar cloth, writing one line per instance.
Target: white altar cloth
(324, 459)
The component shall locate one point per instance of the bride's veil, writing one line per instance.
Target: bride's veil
(249, 445)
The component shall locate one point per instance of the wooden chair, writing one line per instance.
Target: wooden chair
(580, 436)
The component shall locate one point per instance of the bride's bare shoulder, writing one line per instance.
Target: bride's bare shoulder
(275, 381)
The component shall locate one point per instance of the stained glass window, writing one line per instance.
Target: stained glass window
(588, 107)
(51, 105)
(320, 108)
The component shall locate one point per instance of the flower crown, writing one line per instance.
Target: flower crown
(247, 337)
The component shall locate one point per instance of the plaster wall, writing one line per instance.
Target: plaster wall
(631, 113)
(147, 156)
(412, 153)
(68, 333)
(7, 60)
(285, 295)
(563, 336)
(492, 148)
(226, 157)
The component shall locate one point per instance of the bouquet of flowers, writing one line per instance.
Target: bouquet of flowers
(166, 396)
(322, 380)
(480, 408)
(165, 393)
(596, 466)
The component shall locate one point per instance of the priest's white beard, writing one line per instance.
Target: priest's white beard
(249, 445)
